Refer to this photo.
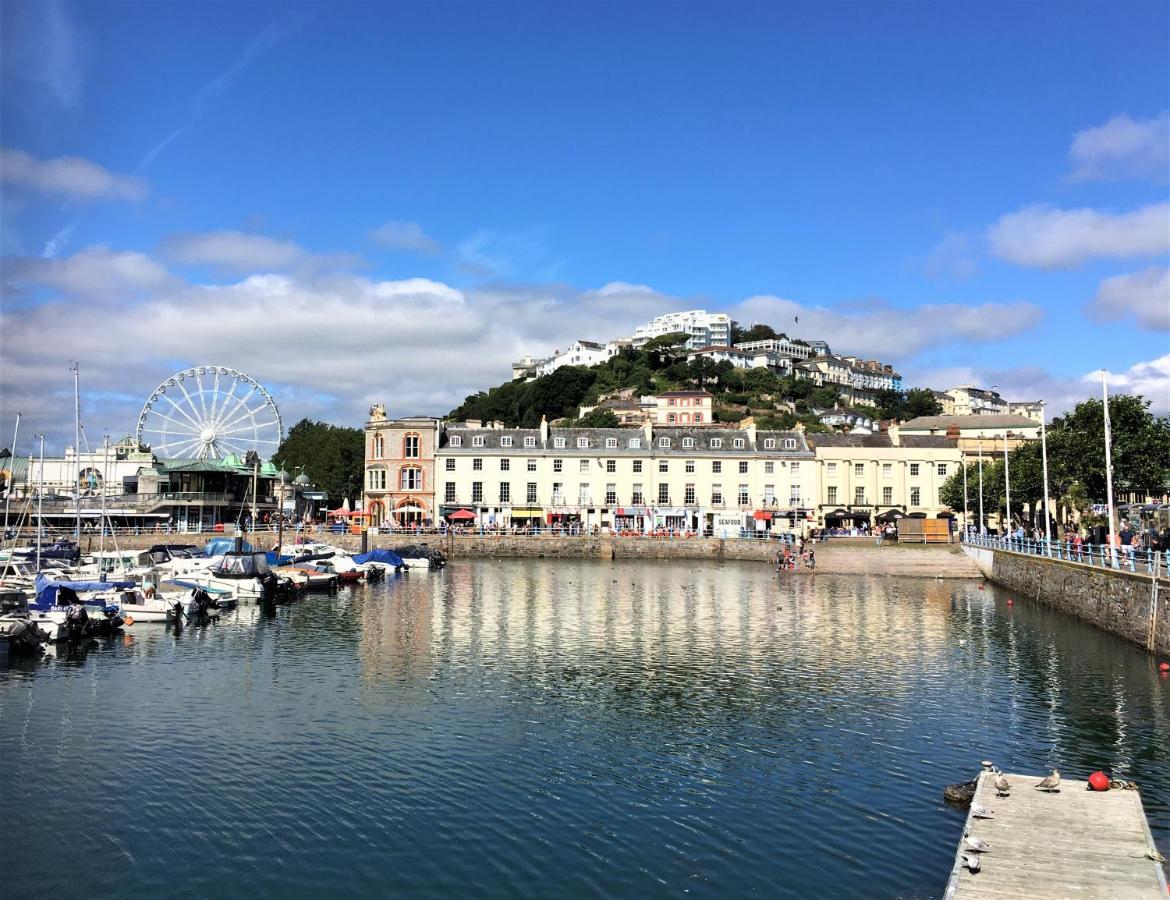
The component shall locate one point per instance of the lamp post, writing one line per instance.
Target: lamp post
(1044, 465)
(982, 521)
(280, 518)
(1108, 465)
(1007, 484)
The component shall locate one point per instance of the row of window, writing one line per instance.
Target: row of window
(410, 446)
(634, 443)
(410, 478)
(583, 465)
(637, 496)
(831, 496)
(887, 469)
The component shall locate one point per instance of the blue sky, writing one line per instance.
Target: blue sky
(363, 202)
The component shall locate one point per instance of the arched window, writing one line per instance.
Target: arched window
(410, 478)
(410, 446)
(379, 446)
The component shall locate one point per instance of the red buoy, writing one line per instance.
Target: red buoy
(1099, 781)
(1011, 602)
(1164, 667)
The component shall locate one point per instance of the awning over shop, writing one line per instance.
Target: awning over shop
(461, 515)
(527, 512)
(628, 512)
(763, 515)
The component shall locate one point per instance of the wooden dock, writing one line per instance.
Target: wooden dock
(1075, 843)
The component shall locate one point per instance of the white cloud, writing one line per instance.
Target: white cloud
(876, 329)
(1145, 295)
(1051, 238)
(951, 257)
(398, 234)
(94, 273)
(1060, 393)
(1122, 148)
(237, 252)
(1150, 379)
(69, 177)
(519, 253)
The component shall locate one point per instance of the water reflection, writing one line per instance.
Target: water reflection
(527, 728)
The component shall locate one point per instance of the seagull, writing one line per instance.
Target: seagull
(1051, 783)
(1003, 787)
(981, 812)
(971, 861)
(976, 845)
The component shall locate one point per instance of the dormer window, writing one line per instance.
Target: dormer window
(582, 443)
(477, 441)
(769, 443)
(790, 443)
(505, 442)
(716, 443)
(737, 443)
(688, 442)
(611, 443)
(530, 442)
(456, 441)
(664, 443)
(634, 443)
(559, 443)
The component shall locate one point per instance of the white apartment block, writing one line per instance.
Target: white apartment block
(703, 329)
(968, 400)
(578, 353)
(782, 345)
(745, 359)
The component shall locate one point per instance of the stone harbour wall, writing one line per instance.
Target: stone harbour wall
(1117, 601)
(839, 557)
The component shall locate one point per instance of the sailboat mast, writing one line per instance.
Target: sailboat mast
(102, 488)
(40, 497)
(12, 473)
(77, 448)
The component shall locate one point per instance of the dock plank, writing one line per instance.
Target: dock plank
(1075, 843)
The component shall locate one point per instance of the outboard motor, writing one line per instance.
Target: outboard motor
(268, 582)
(110, 623)
(76, 619)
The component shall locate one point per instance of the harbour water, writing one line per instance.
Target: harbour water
(553, 728)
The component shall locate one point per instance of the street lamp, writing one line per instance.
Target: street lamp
(982, 525)
(1044, 465)
(1108, 465)
(1007, 483)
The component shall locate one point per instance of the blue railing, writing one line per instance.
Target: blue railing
(1124, 559)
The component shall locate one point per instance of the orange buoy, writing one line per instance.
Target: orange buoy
(129, 620)
(1099, 781)
(1164, 667)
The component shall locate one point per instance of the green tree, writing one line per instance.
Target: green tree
(333, 456)
(671, 341)
(922, 402)
(598, 418)
(1140, 445)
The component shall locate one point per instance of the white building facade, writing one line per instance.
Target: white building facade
(703, 329)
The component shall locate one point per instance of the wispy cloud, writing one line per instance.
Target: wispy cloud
(1049, 238)
(952, 257)
(68, 177)
(44, 49)
(492, 253)
(270, 36)
(1122, 148)
(241, 253)
(399, 234)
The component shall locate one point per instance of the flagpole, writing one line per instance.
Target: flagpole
(77, 447)
(1044, 461)
(1007, 484)
(1108, 465)
(40, 499)
(966, 515)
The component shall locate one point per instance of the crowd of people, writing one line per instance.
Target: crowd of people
(798, 554)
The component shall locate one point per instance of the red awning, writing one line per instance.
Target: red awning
(461, 514)
(346, 512)
(762, 514)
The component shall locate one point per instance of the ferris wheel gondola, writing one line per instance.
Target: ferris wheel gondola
(209, 412)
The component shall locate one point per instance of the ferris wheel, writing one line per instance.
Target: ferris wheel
(207, 412)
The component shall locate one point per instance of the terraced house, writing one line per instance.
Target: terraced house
(628, 479)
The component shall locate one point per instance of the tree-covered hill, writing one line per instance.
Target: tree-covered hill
(661, 365)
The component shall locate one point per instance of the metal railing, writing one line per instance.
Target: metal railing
(1123, 559)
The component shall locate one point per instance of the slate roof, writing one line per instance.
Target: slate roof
(850, 440)
(998, 420)
(927, 441)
